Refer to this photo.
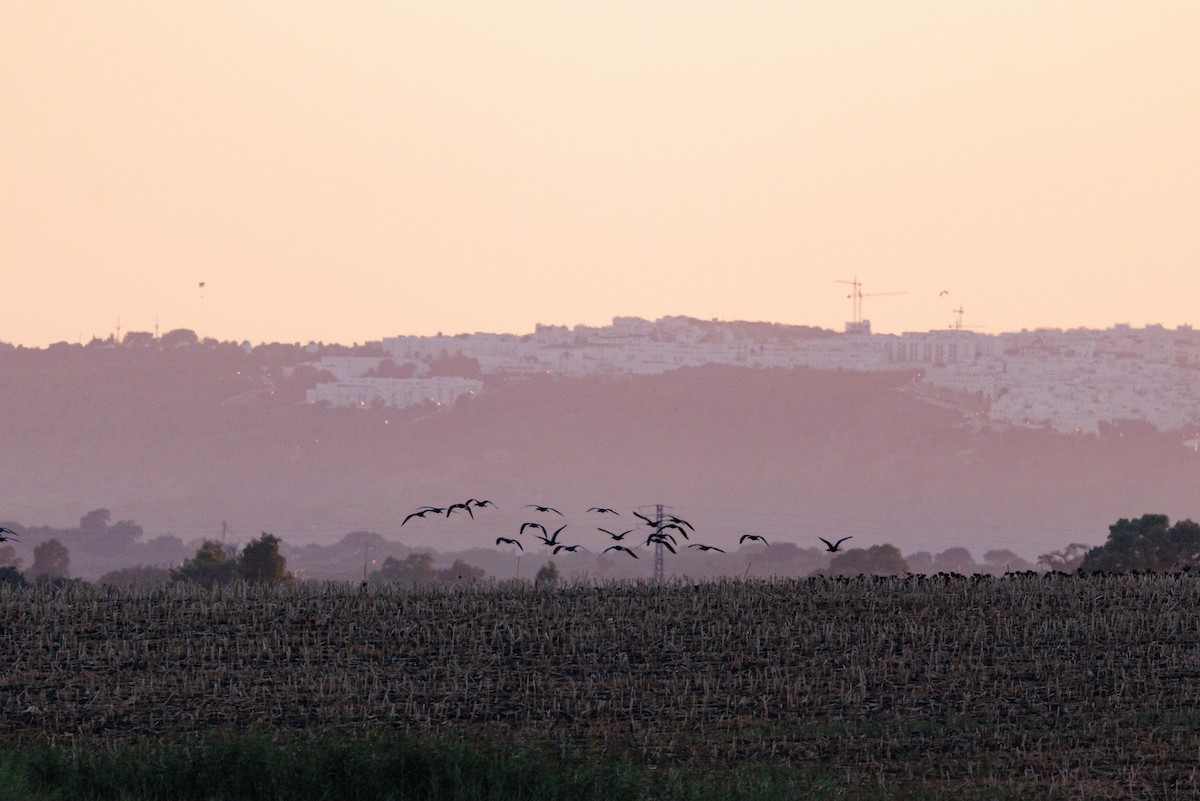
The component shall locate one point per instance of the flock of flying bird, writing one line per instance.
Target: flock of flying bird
(660, 530)
(663, 531)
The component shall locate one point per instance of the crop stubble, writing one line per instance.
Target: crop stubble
(1042, 681)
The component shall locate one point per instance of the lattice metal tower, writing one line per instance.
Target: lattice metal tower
(658, 546)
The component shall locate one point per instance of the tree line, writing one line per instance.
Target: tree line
(1148, 543)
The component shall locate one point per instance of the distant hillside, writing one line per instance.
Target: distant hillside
(791, 454)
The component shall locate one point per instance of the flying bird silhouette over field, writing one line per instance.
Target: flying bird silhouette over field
(620, 548)
(12, 535)
(706, 547)
(678, 528)
(832, 547)
(647, 520)
(665, 540)
(745, 537)
(568, 548)
(617, 537)
(553, 538)
(424, 511)
(510, 542)
(531, 525)
(604, 510)
(543, 508)
(678, 521)
(464, 505)
(480, 504)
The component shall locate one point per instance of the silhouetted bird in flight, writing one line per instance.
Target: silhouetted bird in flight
(745, 537)
(543, 508)
(678, 528)
(422, 512)
(620, 548)
(510, 542)
(12, 535)
(531, 525)
(617, 537)
(604, 510)
(553, 538)
(661, 536)
(454, 506)
(833, 546)
(568, 548)
(664, 540)
(706, 547)
(679, 521)
(647, 520)
(481, 504)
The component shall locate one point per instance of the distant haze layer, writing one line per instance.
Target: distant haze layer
(341, 173)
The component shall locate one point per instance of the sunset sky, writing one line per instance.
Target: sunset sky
(343, 172)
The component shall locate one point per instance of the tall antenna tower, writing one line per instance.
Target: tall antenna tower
(658, 546)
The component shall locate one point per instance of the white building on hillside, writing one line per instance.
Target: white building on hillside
(399, 393)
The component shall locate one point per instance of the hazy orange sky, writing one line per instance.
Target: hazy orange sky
(347, 171)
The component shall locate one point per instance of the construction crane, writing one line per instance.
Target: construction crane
(858, 324)
(958, 322)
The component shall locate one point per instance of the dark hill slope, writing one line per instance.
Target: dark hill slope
(790, 454)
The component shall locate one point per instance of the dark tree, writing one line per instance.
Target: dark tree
(261, 562)
(1147, 543)
(51, 560)
(138, 339)
(95, 520)
(547, 575)
(1001, 560)
(920, 562)
(1066, 559)
(878, 560)
(460, 573)
(955, 560)
(137, 576)
(212, 564)
(122, 534)
(179, 338)
(10, 575)
(389, 369)
(9, 558)
(416, 568)
(455, 364)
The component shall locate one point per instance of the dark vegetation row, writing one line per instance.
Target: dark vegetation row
(403, 767)
(1148, 543)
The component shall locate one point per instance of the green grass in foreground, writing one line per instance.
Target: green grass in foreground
(266, 768)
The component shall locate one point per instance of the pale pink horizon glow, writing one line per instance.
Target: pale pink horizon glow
(345, 172)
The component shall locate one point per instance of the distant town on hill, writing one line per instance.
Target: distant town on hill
(1025, 442)
(1073, 381)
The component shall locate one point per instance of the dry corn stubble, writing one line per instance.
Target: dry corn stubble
(1047, 681)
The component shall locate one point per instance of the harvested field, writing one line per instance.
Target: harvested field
(1087, 685)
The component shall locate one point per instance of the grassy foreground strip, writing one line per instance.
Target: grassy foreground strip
(265, 767)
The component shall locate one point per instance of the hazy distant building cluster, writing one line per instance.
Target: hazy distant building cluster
(396, 392)
(1075, 380)
(633, 346)
(1071, 380)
